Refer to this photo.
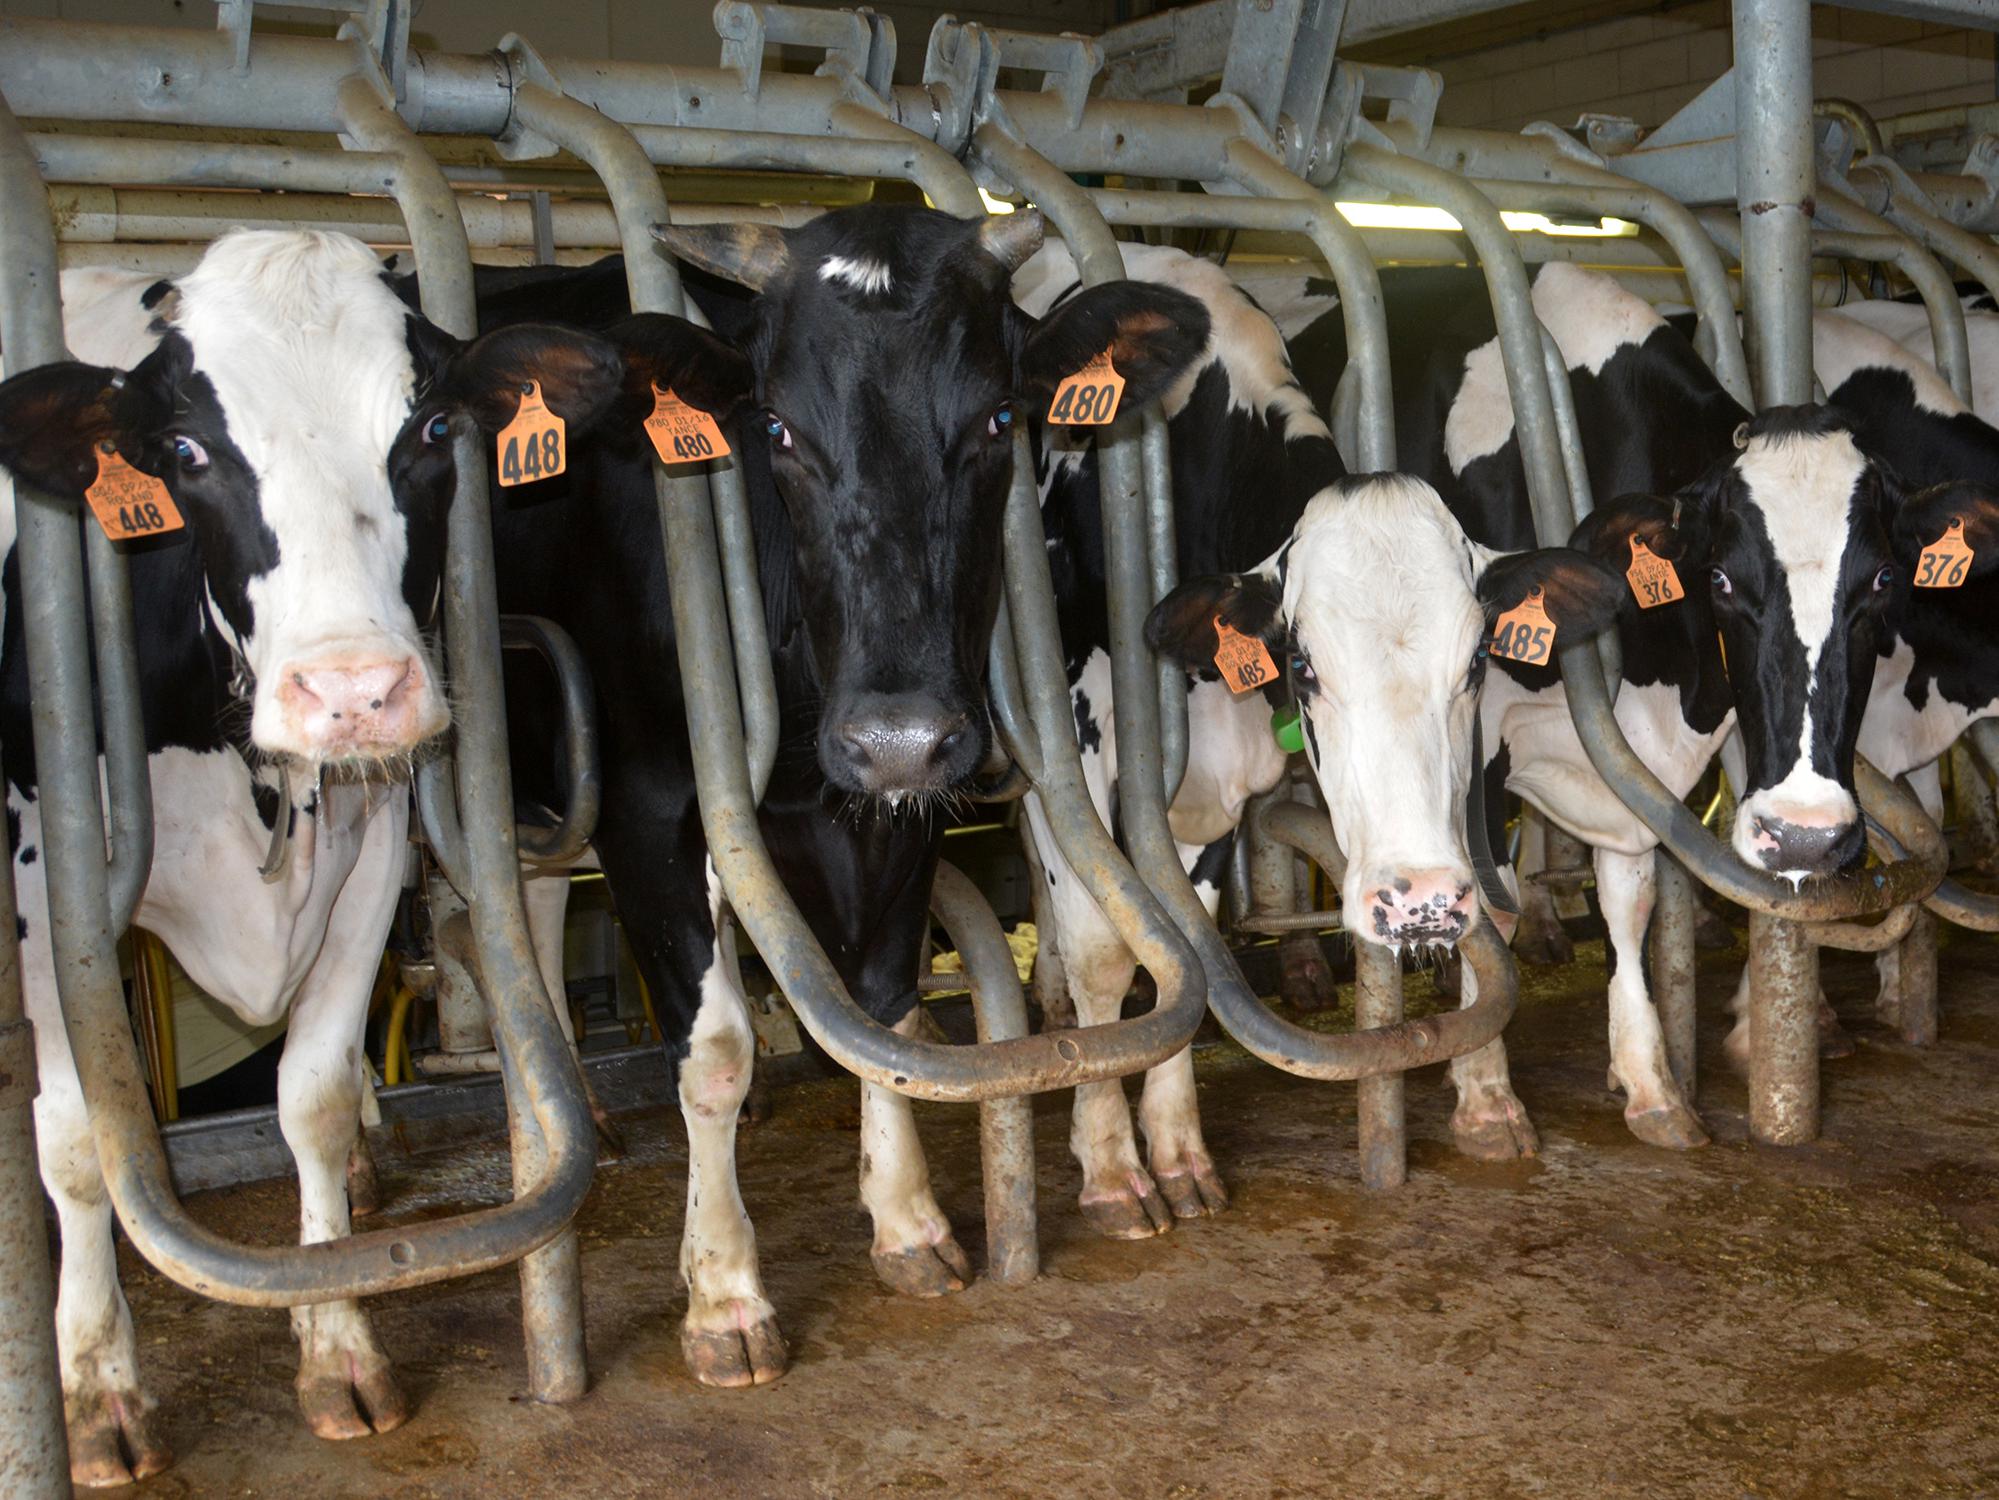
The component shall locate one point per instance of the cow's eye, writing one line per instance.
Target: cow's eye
(780, 435)
(190, 454)
(1001, 422)
(437, 429)
(1720, 581)
(1301, 669)
(1883, 580)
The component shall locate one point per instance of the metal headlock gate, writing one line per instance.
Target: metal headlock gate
(1285, 131)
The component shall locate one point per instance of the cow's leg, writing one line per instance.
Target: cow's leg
(1540, 937)
(1490, 1123)
(914, 1251)
(545, 897)
(730, 1336)
(1168, 1111)
(345, 1385)
(1654, 1107)
(1051, 990)
(1927, 783)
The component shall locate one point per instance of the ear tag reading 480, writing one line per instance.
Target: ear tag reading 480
(1090, 397)
(1947, 560)
(534, 445)
(129, 502)
(1654, 580)
(683, 434)
(1525, 633)
(1244, 661)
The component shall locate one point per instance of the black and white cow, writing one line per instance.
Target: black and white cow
(870, 389)
(300, 417)
(1788, 537)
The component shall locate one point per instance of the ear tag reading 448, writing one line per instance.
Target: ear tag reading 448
(683, 434)
(127, 501)
(1525, 633)
(534, 445)
(1244, 661)
(1090, 397)
(1946, 560)
(1654, 580)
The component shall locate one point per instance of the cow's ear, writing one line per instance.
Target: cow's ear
(676, 355)
(1153, 334)
(1181, 626)
(1579, 593)
(751, 255)
(580, 374)
(1925, 518)
(1675, 529)
(51, 420)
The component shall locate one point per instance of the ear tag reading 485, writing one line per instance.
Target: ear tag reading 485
(1244, 661)
(1525, 633)
(683, 434)
(1090, 397)
(1947, 560)
(534, 445)
(1654, 580)
(129, 502)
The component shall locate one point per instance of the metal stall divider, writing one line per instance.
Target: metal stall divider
(135, 1170)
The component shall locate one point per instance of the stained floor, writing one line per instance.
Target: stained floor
(1607, 1320)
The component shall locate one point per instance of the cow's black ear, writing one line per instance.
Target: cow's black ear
(51, 420)
(1580, 594)
(1181, 626)
(1153, 333)
(751, 255)
(1925, 518)
(580, 374)
(1676, 529)
(693, 363)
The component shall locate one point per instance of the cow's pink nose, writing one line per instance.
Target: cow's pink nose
(1422, 906)
(338, 705)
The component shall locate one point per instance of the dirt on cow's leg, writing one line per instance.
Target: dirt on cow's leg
(364, 1187)
(914, 1251)
(346, 1387)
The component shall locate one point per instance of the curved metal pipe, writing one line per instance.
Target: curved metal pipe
(563, 843)
(1866, 134)
(1939, 294)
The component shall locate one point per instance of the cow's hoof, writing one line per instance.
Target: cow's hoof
(925, 1270)
(1543, 943)
(1834, 1039)
(735, 1344)
(610, 1141)
(1673, 1126)
(114, 1438)
(1495, 1134)
(1712, 934)
(348, 1396)
(1305, 979)
(1130, 1210)
(756, 1103)
(364, 1188)
(1194, 1192)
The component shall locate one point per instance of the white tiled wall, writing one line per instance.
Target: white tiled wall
(1648, 66)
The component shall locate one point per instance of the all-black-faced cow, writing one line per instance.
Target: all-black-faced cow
(300, 417)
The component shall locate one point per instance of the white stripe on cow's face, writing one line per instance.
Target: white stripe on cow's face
(869, 276)
(1379, 592)
(306, 349)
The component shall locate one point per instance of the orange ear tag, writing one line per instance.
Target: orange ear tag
(1654, 580)
(127, 501)
(1525, 633)
(683, 434)
(1946, 561)
(1243, 659)
(535, 444)
(1090, 397)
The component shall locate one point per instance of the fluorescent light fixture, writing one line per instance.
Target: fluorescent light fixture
(1401, 216)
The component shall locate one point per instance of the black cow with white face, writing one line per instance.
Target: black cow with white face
(300, 418)
(870, 388)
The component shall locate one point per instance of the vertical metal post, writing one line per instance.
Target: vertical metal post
(1917, 971)
(1783, 1032)
(1384, 1135)
(1673, 967)
(1273, 884)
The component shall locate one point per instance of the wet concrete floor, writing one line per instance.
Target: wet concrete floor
(1607, 1320)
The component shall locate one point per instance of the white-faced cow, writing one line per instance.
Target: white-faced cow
(300, 417)
(1788, 539)
(870, 389)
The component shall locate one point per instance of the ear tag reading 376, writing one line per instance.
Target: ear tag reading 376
(1947, 560)
(127, 501)
(1244, 661)
(683, 434)
(1654, 580)
(1525, 633)
(534, 445)
(1090, 397)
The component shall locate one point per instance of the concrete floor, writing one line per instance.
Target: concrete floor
(1607, 1320)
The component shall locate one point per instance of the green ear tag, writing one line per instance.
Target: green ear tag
(1286, 730)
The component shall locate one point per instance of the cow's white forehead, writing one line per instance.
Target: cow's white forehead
(1802, 486)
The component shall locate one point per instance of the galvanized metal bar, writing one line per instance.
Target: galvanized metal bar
(1919, 1019)
(1783, 1032)
(566, 841)
(1162, 550)
(1006, 1126)
(1776, 179)
(1384, 1128)
(1947, 336)
(1673, 972)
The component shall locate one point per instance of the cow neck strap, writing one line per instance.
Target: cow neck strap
(1497, 897)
